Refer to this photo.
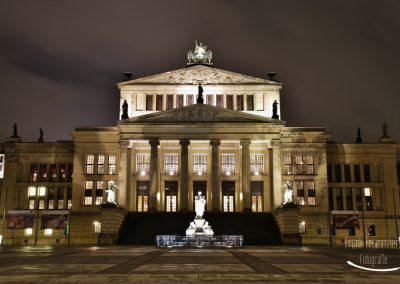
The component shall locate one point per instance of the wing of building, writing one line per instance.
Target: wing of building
(195, 129)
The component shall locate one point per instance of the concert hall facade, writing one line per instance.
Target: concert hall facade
(233, 146)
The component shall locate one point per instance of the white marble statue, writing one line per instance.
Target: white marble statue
(199, 205)
(111, 193)
(191, 230)
(288, 193)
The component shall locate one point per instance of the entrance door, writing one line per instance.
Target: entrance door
(171, 196)
(257, 196)
(202, 187)
(228, 196)
(142, 196)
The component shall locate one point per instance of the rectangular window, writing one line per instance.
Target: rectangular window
(70, 172)
(199, 164)
(53, 172)
(28, 232)
(1, 165)
(31, 191)
(298, 164)
(229, 102)
(171, 196)
(42, 191)
(329, 172)
(256, 164)
(347, 173)
(357, 173)
(101, 164)
(220, 100)
(43, 172)
(310, 164)
(159, 102)
(50, 204)
(31, 204)
(41, 204)
(142, 196)
(149, 102)
(288, 164)
(349, 199)
(69, 197)
(170, 102)
(171, 164)
(359, 203)
(210, 100)
(179, 101)
(239, 103)
(338, 173)
(48, 232)
(302, 228)
(97, 227)
(88, 193)
(311, 193)
(90, 164)
(60, 204)
(99, 192)
(143, 164)
(300, 192)
(250, 102)
(368, 198)
(189, 100)
(34, 172)
(257, 196)
(367, 173)
(62, 172)
(228, 164)
(371, 231)
(111, 164)
(60, 198)
(339, 199)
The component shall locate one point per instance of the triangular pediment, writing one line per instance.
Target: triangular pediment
(198, 74)
(199, 113)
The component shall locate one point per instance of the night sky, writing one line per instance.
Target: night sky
(339, 61)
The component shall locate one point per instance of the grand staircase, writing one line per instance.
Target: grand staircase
(142, 228)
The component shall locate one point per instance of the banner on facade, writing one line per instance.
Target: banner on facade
(345, 220)
(20, 219)
(54, 220)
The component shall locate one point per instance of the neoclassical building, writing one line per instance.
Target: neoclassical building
(234, 147)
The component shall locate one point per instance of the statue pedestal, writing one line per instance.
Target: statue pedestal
(111, 220)
(287, 218)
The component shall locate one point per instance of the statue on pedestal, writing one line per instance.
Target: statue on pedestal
(41, 134)
(199, 226)
(125, 110)
(275, 110)
(288, 193)
(200, 99)
(110, 191)
(15, 131)
(199, 205)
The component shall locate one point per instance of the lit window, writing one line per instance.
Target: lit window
(256, 203)
(34, 172)
(1, 165)
(170, 203)
(142, 196)
(41, 204)
(43, 172)
(100, 164)
(53, 172)
(368, 198)
(298, 164)
(367, 191)
(97, 227)
(31, 204)
(31, 191)
(111, 164)
(310, 164)
(288, 164)
(228, 203)
(256, 164)
(90, 164)
(60, 204)
(42, 191)
(88, 192)
(99, 192)
(171, 164)
(48, 232)
(228, 164)
(69, 205)
(199, 164)
(302, 227)
(300, 192)
(62, 175)
(28, 232)
(50, 204)
(311, 193)
(143, 164)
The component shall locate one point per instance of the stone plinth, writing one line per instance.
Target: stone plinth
(111, 220)
(288, 222)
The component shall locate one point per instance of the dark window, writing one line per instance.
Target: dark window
(53, 172)
(338, 173)
(367, 173)
(347, 173)
(210, 100)
(250, 102)
(62, 176)
(70, 171)
(229, 102)
(357, 174)
(220, 101)
(330, 196)
(368, 201)
(359, 199)
(34, 172)
(170, 102)
(179, 101)
(339, 199)
(159, 102)
(239, 102)
(329, 172)
(349, 199)
(352, 232)
(43, 172)
(189, 100)
(149, 102)
(371, 230)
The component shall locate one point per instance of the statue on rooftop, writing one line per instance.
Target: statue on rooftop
(15, 131)
(275, 110)
(125, 110)
(41, 135)
(385, 131)
(200, 54)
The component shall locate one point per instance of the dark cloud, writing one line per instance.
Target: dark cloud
(338, 60)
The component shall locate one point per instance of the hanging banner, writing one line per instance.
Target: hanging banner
(56, 220)
(345, 220)
(20, 219)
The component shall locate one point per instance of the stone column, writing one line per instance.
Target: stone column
(184, 174)
(215, 182)
(245, 143)
(129, 179)
(122, 174)
(277, 193)
(154, 143)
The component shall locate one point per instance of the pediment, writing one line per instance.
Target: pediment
(199, 113)
(199, 74)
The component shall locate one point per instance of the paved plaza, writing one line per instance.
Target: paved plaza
(126, 264)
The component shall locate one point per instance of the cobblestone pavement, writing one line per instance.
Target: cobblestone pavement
(126, 264)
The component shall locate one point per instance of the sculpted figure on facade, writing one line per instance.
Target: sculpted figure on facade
(111, 193)
(288, 193)
(200, 54)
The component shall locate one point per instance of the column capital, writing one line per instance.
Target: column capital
(245, 142)
(124, 143)
(154, 142)
(276, 143)
(215, 142)
(184, 142)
